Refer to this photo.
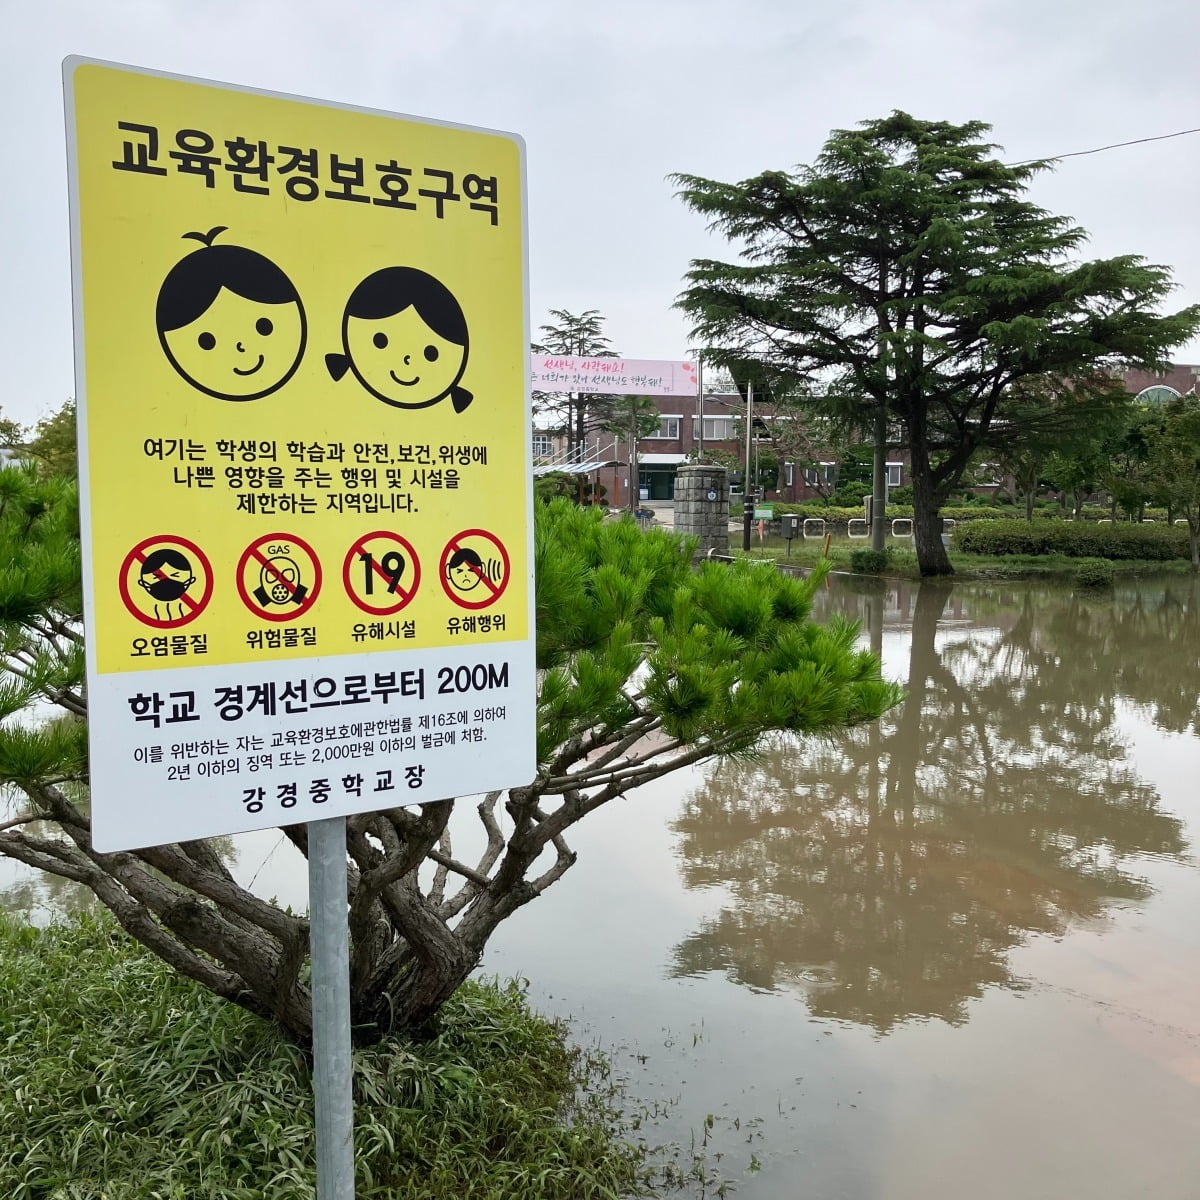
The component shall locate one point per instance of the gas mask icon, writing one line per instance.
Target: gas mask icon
(279, 582)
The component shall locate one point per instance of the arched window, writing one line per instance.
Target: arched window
(1157, 393)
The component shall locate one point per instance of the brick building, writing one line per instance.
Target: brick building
(678, 440)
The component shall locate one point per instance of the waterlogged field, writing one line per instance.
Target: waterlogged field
(953, 955)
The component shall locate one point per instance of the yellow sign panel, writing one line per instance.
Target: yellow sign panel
(305, 376)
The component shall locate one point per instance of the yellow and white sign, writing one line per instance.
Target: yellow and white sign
(302, 371)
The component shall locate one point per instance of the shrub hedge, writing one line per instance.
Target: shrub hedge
(869, 562)
(1073, 539)
(1095, 573)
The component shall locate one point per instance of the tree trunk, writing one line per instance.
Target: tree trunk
(932, 558)
(412, 997)
(879, 484)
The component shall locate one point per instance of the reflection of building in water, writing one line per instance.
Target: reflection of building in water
(889, 875)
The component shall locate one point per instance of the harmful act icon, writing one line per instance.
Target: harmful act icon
(166, 581)
(474, 568)
(279, 577)
(381, 573)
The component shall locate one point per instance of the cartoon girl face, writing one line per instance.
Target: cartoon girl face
(231, 322)
(405, 339)
(401, 360)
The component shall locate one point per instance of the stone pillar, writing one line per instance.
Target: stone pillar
(702, 505)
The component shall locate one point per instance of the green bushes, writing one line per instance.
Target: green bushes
(120, 1078)
(1095, 573)
(1072, 539)
(869, 562)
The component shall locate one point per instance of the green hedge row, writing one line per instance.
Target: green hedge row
(1076, 539)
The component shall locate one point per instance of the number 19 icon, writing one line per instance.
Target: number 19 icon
(381, 573)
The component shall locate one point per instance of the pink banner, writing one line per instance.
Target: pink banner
(622, 376)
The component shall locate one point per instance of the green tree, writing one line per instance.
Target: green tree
(645, 666)
(1173, 464)
(53, 443)
(633, 418)
(1126, 476)
(906, 271)
(577, 415)
(1044, 416)
(12, 436)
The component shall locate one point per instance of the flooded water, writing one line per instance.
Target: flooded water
(954, 955)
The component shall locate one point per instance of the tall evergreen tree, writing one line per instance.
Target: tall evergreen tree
(575, 414)
(906, 272)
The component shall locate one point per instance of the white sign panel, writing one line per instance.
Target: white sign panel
(620, 376)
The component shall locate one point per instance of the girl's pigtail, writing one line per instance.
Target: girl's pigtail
(337, 365)
(460, 398)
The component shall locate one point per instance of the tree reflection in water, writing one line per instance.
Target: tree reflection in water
(888, 875)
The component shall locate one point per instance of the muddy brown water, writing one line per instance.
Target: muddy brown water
(956, 955)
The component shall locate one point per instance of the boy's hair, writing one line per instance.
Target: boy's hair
(192, 283)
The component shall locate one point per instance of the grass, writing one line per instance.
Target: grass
(120, 1080)
(807, 552)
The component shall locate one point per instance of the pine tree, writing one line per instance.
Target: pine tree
(646, 665)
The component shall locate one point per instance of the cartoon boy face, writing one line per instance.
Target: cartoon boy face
(401, 360)
(230, 321)
(238, 349)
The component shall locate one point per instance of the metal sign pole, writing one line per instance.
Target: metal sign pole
(329, 945)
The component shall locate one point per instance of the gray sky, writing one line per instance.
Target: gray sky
(611, 98)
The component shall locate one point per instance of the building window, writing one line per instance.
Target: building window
(668, 427)
(789, 474)
(894, 470)
(824, 473)
(716, 429)
(543, 445)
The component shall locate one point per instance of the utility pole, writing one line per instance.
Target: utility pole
(747, 498)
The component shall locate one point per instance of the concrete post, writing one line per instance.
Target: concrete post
(702, 505)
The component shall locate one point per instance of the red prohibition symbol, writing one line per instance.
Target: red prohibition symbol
(474, 569)
(381, 573)
(166, 581)
(279, 577)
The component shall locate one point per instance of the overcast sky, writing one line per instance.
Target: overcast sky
(611, 98)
